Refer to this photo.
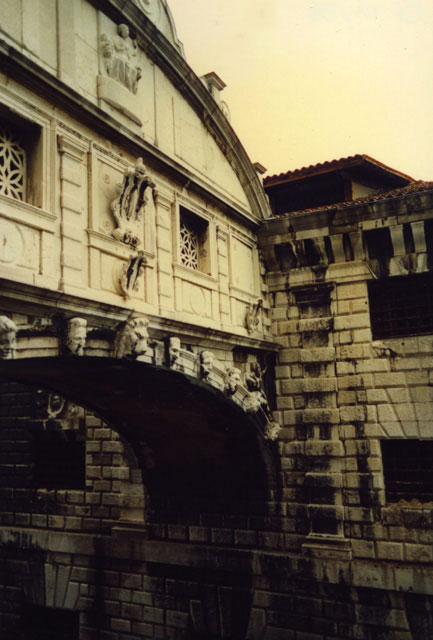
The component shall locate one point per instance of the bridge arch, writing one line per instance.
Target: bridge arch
(192, 443)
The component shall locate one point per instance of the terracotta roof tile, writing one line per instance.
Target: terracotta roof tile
(332, 165)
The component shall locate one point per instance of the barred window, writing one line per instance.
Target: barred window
(401, 306)
(12, 163)
(407, 469)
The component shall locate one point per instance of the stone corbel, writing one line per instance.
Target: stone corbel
(75, 337)
(173, 353)
(132, 338)
(206, 364)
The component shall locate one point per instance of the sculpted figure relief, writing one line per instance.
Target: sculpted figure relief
(131, 339)
(272, 430)
(119, 53)
(252, 318)
(254, 383)
(130, 204)
(8, 331)
(76, 332)
(173, 351)
(131, 272)
(233, 380)
(206, 363)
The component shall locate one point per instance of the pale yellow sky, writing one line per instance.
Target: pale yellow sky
(313, 80)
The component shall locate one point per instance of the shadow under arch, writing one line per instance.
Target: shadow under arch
(186, 434)
(198, 452)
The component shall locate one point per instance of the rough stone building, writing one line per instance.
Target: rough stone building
(199, 439)
(351, 283)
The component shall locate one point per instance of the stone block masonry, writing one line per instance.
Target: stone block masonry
(343, 396)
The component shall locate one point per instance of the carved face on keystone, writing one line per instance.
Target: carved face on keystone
(173, 350)
(233, 380)
(139, 337)
(206, 363)
(76, 336)
(8, 332)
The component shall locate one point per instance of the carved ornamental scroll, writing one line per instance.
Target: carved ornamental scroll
(129, 206)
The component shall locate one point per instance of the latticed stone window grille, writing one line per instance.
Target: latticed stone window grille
(189, 246)
(12, 164)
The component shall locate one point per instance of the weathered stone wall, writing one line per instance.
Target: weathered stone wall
(112, 483)
(341, 393)
(265, 539)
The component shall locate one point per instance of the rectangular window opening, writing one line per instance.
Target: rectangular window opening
(59, 464)
(20, 159)
(194, 241)
(46, 623)
(401, 306)
(408, 471)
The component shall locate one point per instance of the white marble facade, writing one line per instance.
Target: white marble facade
(65, 233)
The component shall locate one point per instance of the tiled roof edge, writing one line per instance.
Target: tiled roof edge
(341, 163)
(414, 187)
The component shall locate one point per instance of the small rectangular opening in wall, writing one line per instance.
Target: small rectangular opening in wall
(194, 241)
(401, 306)
(379, 248)
(20, 158)
(45, 623)
(59, 464)
(408, 469)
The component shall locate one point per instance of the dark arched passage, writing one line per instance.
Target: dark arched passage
(187, 436)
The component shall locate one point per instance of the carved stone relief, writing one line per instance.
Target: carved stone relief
(233, 380)
(119, 53)
(129, 206)
(127, 276)
(252, 318)
(256, 398)
(131, 339)
(53, 406)
(173, 352)
(8, 331)
(75, 339)
(272, 430)
(206, 364)
(118, 86)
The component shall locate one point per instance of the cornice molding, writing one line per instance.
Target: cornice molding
(34, 300)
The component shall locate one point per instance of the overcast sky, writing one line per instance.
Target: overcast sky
(313, 80)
